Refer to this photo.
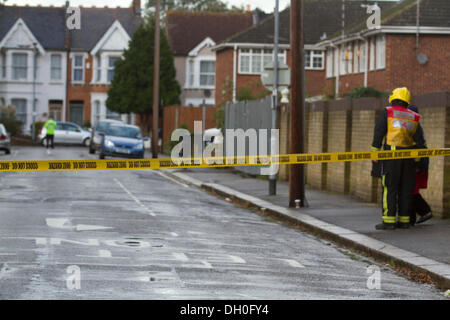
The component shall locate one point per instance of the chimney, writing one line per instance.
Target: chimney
(136, 6)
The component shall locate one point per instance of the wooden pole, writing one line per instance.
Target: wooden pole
(297, 121)
(155, 135)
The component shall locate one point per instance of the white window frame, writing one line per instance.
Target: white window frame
(25, 113)
(335, 61)
(13, 66)
(60, 67)
(356, 54)
(206, 73)
(372, 54)
(349, 52)
(343, 62)
(190, 74)
(82, 68)
(329, 71)
(313, 54)
(381, 52)
(2, 65)
(249, 52)
(362, 57)
(109, 68)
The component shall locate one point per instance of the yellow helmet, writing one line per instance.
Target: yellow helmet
(401, 94)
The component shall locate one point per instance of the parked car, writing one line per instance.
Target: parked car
(98, 133)
(5, 140)
(122, 140)
(68, 133)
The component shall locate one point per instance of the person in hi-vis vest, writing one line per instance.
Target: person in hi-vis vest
(50, 126)
(400, 128)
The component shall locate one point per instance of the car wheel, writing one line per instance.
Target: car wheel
(102, 156)
(87, 142)
(7, 151)
(91, 151)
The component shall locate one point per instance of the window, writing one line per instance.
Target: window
(19, 66)
(207, 73)
(362, 56)
(99, 69)
(191, 74)
(343, 62)
(56, 67)
(329, 63)
(3, 65)
(372, 54)
(78, 68)
(21, 110)
(316, 57)
(111, 66)
(252, 61)
(381, 52)
(356, 54)
(349, 58)
(336, 61)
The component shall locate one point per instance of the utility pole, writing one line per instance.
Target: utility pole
(297, 122)
(155, 135)
(33, 127)
(273, 141)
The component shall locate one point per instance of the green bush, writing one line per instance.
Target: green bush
(8, 119)
(38, 125)
(365, 92)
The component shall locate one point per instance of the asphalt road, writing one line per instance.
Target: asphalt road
(141, 235)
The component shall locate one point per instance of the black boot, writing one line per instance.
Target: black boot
(385, 226)
(403, 225)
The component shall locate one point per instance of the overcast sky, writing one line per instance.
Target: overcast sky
(266, 5)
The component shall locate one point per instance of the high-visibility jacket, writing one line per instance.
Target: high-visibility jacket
(50, 125)
(401, 128)
(402, 124)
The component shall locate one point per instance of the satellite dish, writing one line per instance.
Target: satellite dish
(422, 58)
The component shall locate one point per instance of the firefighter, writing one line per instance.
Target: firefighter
(401, 129)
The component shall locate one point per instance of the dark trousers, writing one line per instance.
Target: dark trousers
(49, 139)
(418, 206)
(398, 181)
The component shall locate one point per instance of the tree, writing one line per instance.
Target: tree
(195, 5)
(132, 86)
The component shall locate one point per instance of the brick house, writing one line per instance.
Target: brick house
(388, 57)
(72, 68)
(191, 36)
(104, 35)
(241, 58)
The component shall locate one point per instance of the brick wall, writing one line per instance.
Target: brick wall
(339, 131)
(402, 68)
(347, 125)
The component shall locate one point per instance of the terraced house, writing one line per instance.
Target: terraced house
(411, 48)
(47, 69)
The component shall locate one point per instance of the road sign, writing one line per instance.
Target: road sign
(284, 75)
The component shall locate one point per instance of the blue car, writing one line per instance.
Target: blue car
(124, 141)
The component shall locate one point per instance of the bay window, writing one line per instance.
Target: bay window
(19, 66)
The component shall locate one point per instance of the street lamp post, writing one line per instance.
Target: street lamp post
(155, 134)
(273, 141)
(33, 125)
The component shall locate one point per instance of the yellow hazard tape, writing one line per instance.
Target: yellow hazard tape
(82, 165)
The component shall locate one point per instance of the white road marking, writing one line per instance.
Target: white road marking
(174, 234)
(134, 198)
(169, 178)
(206, 264)
(60, 223)
(180, 257)
(86, 227)
(195, 232)
(64, 223)
(102, 254)
(237, 259)
(293, 263)
(8, 254)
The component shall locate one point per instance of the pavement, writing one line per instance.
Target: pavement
(422, 249)
(141, 234)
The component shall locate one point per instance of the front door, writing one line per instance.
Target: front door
(76, 113)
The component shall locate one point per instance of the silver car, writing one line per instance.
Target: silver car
(5, 141)
(68, 133)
